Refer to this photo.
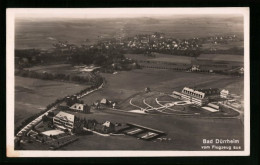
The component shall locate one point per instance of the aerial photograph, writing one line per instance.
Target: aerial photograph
(139, 81)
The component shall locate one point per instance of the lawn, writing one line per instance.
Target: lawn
(33, 95)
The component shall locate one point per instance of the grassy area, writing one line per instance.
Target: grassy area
(161, 58)
(33, 95)
(239, 44)
(126, 84)
(59, 69)
(221, 57)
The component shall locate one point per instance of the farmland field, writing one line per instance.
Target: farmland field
(33, 95)
(126, 84)
(221, 57)
(184, 61)
(59, 69)
(238, 44)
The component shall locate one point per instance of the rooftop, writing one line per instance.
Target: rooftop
(65, 116)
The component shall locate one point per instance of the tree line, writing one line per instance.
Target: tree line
(59, 76)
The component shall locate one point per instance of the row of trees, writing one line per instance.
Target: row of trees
(58, 76)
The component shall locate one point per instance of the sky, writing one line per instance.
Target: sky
(121, 12)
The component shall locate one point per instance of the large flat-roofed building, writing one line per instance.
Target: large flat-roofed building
(198, 96)
(64, 120)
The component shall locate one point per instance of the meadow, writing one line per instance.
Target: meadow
(33, 95)
(179, 61)
(221, 57)
(126, 84)
(59, 69)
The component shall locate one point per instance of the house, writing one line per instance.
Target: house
(114, 104)
(96, 104)
(224, 93)
(241, 70)
(84, 108)
(70, 100)
(64, 121)
(195, 68)
(147, 89)
(108, 127)
(104, 101)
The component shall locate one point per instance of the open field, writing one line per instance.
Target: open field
(238, 44)
(221, 57)
(126, 84)
(58, 69)
(33, 95)
(173, 61)
(162, 58)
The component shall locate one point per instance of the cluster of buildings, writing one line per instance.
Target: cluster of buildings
(67, 121)
(159, 41)
(222, 39)
(105, 103)
(209, 97)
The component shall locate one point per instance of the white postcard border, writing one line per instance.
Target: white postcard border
(12, 13)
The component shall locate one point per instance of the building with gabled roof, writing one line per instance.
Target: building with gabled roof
(224, 93)
(80, 108)
(64, 120)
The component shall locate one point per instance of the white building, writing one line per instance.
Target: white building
(80, 107)
(224, 93)
(194, 96)
(198, 97)
(195, 68)
(64, 120)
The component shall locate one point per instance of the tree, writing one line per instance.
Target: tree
(51, 114)
(44, 118)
